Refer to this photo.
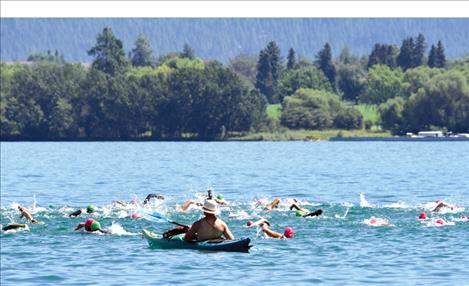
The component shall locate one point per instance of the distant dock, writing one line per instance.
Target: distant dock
(401, 139)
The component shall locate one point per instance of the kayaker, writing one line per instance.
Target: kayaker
(90, 225)
(210, 227)
(27, 214)
(89, 209)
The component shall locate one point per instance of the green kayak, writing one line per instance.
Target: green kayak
(177, 242)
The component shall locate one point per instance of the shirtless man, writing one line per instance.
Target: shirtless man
(210, 227)
(27, 214)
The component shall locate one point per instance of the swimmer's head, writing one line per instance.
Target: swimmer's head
(249, 223)
(373, 220)
(95, 225)
(298, 213)
(134, 216)
(288, 233)
(423, 216)
(440, 221)
(90, 209)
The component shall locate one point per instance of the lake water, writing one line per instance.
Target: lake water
(400, 179)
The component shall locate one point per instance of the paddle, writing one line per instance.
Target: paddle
(156, 216)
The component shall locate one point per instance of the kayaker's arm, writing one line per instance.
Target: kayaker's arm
(227, 233)
(191, 233)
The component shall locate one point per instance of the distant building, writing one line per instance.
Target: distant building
(431, 134)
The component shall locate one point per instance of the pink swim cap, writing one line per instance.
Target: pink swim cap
(440, 221)
(288, 232)
(134, 216)
(249, 223)
(423, 216)
(88, 222)
(373, 220)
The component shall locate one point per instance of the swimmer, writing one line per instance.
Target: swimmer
(288, 233)
(440, 221)
(257, 223)
(220, 200)
(274, 204)
(14, 226)
(304, 212)
(315, 213)
(89, 209)
(190, 204)
(441, 204)
(374, 221)
(152, 196)
(265, 227)
(464, 217)
(91, 225)
(299, 210)
(423, 216)
(27, 215)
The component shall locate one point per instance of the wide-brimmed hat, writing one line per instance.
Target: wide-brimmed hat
(210, 207)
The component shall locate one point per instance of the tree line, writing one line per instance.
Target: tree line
(179, 95)
(413, 89)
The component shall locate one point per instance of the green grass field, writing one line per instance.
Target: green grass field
(297, 135)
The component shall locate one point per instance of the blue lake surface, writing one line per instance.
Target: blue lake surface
(400, 179)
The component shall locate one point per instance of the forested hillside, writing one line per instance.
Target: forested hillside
(223, 39)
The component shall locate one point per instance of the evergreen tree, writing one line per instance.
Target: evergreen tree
(291, 59)
(419, 51)
(432, 57)
(406, 54)
(440, 55)
(268, 72)
(436, 57)
(383, 54)
(142, 53)
(109, 53)
(324, 62)
(187, 52)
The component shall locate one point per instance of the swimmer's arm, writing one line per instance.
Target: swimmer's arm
(271, 233)
(227, 233)
(259, 222)
(81, 225)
